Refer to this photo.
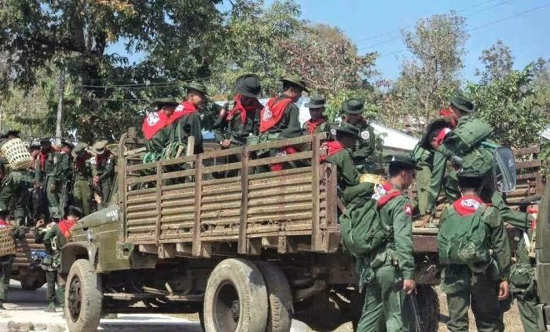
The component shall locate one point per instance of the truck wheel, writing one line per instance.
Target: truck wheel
(279, 297)
(428, 306)
(83, 298)
(236, 298)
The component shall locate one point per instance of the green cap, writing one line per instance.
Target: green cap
(197, 86)
(248, 85)
(353, 106)
(403, 161)
(296, 81)
(166, 101)
(316, 102)
(463, 104)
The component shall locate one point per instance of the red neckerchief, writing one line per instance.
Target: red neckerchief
(3, 223)
(43, 157)
(311, 125)
(183, 109)
(100, 158)
(80, 160)
(239, 108)
(391, 193)
(441, 136)
(273, 112)
(447, 114)
(65, 227)
(467, 205)
(330, 148)
(153, 123)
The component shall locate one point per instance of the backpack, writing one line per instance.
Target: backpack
(362, 230)
(462, 240)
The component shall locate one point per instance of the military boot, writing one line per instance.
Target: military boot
(51, 307)
(60, 296)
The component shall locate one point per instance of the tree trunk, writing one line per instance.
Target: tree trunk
(59, 119)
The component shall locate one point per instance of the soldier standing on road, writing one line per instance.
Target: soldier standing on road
(318, 122)
(103, 170)
(366, 146)
(186, 121)
(82, 172)
(55, 236)
(279, 119)
(6, 261)
(388, 272)
(44, 178)
(156, 128)
(482, 282)
(64, 175)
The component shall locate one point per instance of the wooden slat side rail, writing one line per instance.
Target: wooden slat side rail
(316, 231)
(197, 247)
(534, 149)
(243, 242)
(280, 159)
(281, 143)
(528, 164)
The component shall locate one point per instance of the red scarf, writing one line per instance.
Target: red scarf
(273, 112)
(43, 157)
(3, 223)
(441, 136)
(390, 194)
(239, 108)
(100, 158)
(153, 123)
(81, 159)
(65, 227)
(311, 125)
(183, 109)
(447, 113)
(330, 148)
(467, 205)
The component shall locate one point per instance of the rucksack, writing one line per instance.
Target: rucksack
(362, 230)
(463, 240)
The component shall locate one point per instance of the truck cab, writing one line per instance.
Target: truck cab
(543, 262)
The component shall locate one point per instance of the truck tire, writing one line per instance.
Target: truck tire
(83, 298)
(428, 305)
(235, 299)
(279, 296)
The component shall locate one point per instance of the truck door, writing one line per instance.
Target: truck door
(543, 260)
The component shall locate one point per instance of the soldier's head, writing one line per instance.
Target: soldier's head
(402, 170)
(470, 182)
(167, 105)
(73, 213)
(66, 146)
(353, 111)
(100, 147)
(196, 93)
(293, 87)
(248, 87)
(346, 134)
(45, 145)
(460, 106)
(13, 133)
(316, 107)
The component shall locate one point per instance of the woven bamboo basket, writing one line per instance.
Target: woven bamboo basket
(7, 243)
(16, 153)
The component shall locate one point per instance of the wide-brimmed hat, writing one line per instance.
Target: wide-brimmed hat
(248, 85)
(353, 106)
(402, 161)
(296, 81)
(316, 102)
(99, 147)
(463, 104)
(79, 148)
(166, 101)
(198, 87)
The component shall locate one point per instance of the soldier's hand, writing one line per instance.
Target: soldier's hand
(503, 290)
(409, 286)
(225, 143)
(96, 180)
(40, 223)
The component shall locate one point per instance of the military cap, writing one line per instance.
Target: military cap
(166, 101)
(316, 102)
(345, 129)
(353, 106)
(99, 147)
(74, 211)
(296, 81)
(79, 148)
(248, 85)
(402, 161)
(463, 104)
(197, 86)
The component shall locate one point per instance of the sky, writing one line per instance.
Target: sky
(523, 25)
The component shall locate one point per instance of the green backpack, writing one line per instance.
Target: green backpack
(462, 240)
(362, 230)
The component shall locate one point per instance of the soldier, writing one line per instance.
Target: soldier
(318, 122)
(156, 128)
(474, 276)
(64, 175)
(388, 272)
(82, 172)
(366, 146)
(103, 170)
(44, 178)
(186, 121)
(234, 125)
(6, 261)
(55, 236)
(14, 193)
(279, 119)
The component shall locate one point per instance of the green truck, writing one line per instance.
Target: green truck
(542, 248)
(248, 252)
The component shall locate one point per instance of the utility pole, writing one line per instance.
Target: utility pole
(59, 119)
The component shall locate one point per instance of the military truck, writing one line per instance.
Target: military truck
(542, 248)
(26, 266)
(248, 252)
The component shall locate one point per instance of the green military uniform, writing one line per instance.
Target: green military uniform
(103, 169)
(319, 125)
(187, 126)
(424, 159)
(82, 172)
(14, 191)
(64, 176)
(287, 127)
(156, 144)
(383, 271)
(6, 262)
(45, 175)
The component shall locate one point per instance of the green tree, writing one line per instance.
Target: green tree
(498, 62)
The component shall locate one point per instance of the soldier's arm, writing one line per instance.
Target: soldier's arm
(109, 168)
(195, 130)
(499, 241)
(349, 173)
(220, 128)
(293, 128)
(402, 234)
(515, 218)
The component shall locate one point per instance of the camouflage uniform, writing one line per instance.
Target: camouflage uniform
(46, 177)
(103, 169)
(82, 172)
